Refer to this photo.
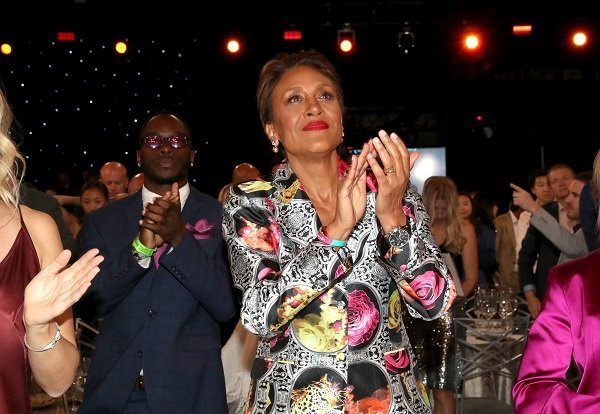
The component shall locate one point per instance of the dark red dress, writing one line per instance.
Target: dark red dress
(19, 266)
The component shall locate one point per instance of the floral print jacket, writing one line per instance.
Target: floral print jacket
(332, 338)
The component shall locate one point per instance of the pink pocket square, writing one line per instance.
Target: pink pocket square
(202, 230)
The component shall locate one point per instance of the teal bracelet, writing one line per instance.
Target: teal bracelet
(324, 238)
(139, 247)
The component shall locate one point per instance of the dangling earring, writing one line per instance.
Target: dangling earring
(275, 147)
(192, 164)
(139, 164)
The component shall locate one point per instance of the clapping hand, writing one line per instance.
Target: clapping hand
(56, 287)
(392, 177)
(161, 220)
(351, 196)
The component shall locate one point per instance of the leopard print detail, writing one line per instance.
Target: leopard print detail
(319, 397)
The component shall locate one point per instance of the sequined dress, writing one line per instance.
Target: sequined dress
(19, 266)
(331, 335)
(434, 343)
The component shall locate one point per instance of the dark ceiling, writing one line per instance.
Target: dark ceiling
(539, 96)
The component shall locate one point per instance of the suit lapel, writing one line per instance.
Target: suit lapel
(134, 212)
(192, 208)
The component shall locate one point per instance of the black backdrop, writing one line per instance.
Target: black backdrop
(79, 105)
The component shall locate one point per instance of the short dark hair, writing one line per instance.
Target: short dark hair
(163, 112)
(274, 69)
(95, 184)
(540, 172)
(585, 176)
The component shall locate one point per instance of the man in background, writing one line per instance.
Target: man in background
(241, 173)
(114, 176)
(135, 184)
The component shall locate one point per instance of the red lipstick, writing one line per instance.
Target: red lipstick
(316, 126)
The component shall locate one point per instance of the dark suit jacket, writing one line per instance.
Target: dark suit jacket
(164, 320)
(536, 247)
(588, 210)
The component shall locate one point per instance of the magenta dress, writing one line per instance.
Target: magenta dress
(19, 266)
(568, 324)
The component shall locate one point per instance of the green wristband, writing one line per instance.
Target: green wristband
(139, 247)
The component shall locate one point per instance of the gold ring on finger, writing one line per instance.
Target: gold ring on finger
(389, 170)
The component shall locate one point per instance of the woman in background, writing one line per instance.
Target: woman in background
(433, 341)
(475, 209)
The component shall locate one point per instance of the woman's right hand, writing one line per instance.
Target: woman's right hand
(57, 287)
(351, 196)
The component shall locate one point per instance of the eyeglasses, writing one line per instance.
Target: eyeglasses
(175, 141)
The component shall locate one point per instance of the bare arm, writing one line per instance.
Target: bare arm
(470, 260)
(48, 299)
(66, 200)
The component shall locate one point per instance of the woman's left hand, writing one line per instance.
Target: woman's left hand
(52, 291)
(392, 178)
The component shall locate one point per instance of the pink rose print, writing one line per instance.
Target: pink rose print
(339, 271)
(396, 361)
(363, 318)
(259, 237)
(275, 233)
(428, 287)
(266, 272)
(407, 212)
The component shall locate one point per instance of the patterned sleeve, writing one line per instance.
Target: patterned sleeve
(418, 267)
(278, 276)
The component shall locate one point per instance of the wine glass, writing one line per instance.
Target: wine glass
(505, 307)
(485, 305)
(489, 305)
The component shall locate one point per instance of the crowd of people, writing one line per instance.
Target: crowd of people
(327, 286)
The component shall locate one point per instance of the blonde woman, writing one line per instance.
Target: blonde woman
(433, 341)
(35, 306)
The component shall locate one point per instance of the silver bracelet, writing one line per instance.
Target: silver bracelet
(50, 345)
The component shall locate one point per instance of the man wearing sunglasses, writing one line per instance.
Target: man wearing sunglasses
(164, 289)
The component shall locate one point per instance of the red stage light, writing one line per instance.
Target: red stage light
(233, 46)
(346, 38)
(522, 29)
(65, 36)
(292, 35)
(579, 38)
(471, 41)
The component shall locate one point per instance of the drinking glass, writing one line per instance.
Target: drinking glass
(489, 304)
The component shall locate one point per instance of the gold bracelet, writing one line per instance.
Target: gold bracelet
(50, 345)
